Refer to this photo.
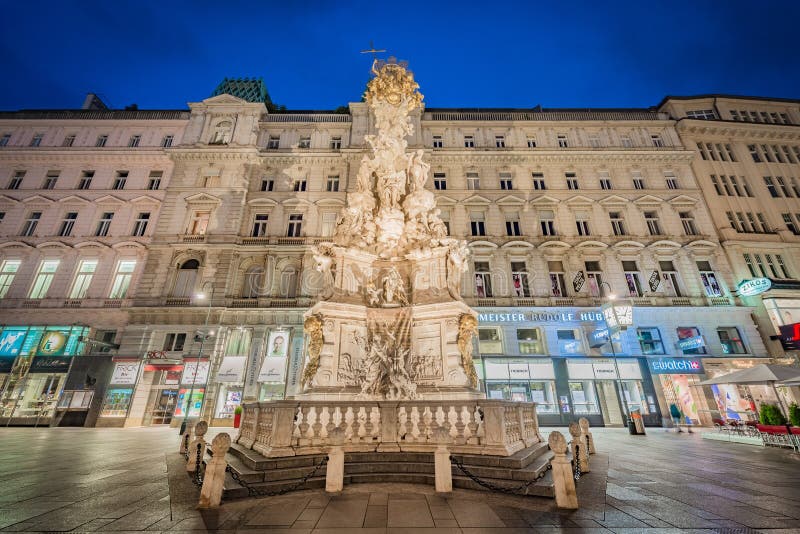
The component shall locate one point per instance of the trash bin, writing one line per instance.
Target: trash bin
(631, 427)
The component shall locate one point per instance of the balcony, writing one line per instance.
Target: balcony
(193, 239)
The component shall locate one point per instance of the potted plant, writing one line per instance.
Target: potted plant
(237, 416)
(794, 415)
(771, 415)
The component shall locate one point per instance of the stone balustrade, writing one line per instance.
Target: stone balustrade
(294, 427)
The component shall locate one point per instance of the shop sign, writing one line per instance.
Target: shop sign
(756, 286)
(577, 282)
(676, 366)
(540, 317)
(655, 281)
(52, 343)
(231, 369)
(125, 373)
(273, 370)
(251, 380)
(599, 337)
(50, 364)
(10, 346)
(278, 344)
(691, 343)
(518, 371)
(604, 370)
(295, 366)
(195, 371)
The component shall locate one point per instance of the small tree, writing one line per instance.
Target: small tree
(771, 415)
(794, 414)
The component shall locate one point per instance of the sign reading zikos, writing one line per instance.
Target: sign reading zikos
(756, 286)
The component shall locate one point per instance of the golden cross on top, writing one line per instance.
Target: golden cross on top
(372, 51)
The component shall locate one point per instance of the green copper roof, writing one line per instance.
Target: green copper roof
(250, 89)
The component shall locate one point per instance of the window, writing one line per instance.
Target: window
(473, 180)
(784, 189)
(746, 187)
(687, 220)
(748, 259)
(594, 279)
(154, 180)
(260, 225)
(295, 225)
(50, 180)
(709, 279)
(489, 341)
(530, 341)
(336, 143)
(174, 342)
(547, 222)
(617, 223)
(252, 285)
(725, 185)
(569, 342)
(788, 154)
(631, 271)
(653, 226)
(305, 142)
(763, 226)
(782, 266)
(134, 141)
(101, 141)
(531, 142)
(300, 185)
(288, 282)
(506, 182)
(67, 224)
(638, 181)
(558, 287)
(469, 141)
(702, 151)
(44, 277)
(701, 114)
(499, 141)
(5, 139)
(626, 141)
(16, 180)
(790, 224)
(332, 184)
(766, 153)
(735, 185)
(199, 224)
(605, 181)
(584, 397)
(477, 223)
(512, 224)
(562, 141)
(572, 181)
(771, 186)
(267, 184)
(439, 181)
(731, 155)
(538, 181)
(31, 223)
(692, 332)
(445, 217)
(669, 278)
(672, 182)
(437, 141)
(104, 224)
(83, 278)
(328, 224)
(519, 279)
(222, 133)
(754, 153)
(274, 142)
(185, 279)
(140, 225)
(657, 141)
(120, 180)
(122, 279)
(86, 180)
(650, 341)
(582, 222)
(166, 142)
(483, 279)
(37, 139)
(721, 153)
(8, 270)
(68, 141)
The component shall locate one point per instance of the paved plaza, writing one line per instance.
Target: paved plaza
(117, 480)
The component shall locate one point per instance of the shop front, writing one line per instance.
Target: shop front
(119, 393)
(679, 379)
(34, 362)
(736, 401)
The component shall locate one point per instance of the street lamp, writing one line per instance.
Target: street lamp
(203, 336)
(618, 316)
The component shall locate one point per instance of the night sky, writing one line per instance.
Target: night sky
(161, 55)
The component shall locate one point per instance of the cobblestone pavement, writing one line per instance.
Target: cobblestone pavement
(116, 480)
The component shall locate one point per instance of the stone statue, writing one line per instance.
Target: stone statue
(312, 327)
(467, 328)
(456, 266)
(323, 263)
(394, 290)
(214, 476)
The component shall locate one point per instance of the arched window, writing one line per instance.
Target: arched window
(187, 275)
(222, 133)
(288, 287)
(253, 284)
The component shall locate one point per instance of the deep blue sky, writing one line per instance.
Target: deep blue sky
(483, 54)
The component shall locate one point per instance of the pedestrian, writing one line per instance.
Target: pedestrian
(676, 415)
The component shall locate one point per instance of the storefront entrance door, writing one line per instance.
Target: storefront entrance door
(164, 407)
(609, 402)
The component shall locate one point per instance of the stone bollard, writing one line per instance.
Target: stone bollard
(334, 471)
(579, 449)
(563, 481)
(441, 461)
(186, 438)
(200, 430)
(586, 435)
(214, 478)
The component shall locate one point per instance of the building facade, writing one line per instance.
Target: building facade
(563, 211)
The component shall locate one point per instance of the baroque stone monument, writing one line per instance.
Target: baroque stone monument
(390, 324)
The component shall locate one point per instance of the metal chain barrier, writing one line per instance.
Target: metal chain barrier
(494, 487)
(259, 492)
(199, 468)
(577, 462)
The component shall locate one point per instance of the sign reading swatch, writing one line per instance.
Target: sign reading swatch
(675, 366)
